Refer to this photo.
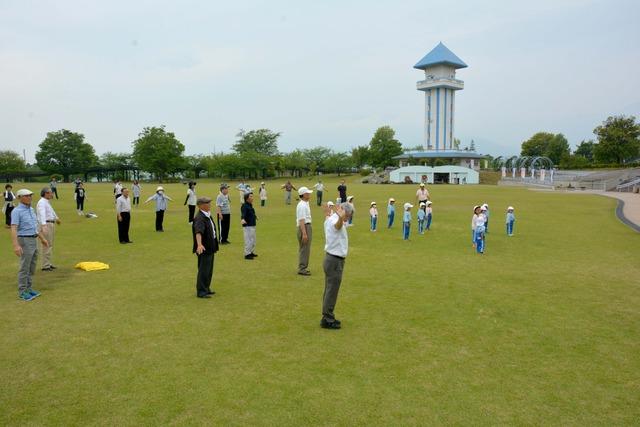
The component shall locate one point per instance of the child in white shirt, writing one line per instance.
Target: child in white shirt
(511, 218)
(373, 213)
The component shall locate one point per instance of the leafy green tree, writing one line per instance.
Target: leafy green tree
(262, 141)
(11, 163)
(158, 151)
(537, 144)
(360, 156)
(618, 140)
(383, 147)
(339, 163)
(557, 148)
(585, 149)
(295, 162)
(548, 145)
(316, 157)
(196, 164)
(65, 152)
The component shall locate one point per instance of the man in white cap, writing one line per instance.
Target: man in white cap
(47, 218)
(24, 232)
(161, 206)
(303, 222)
(123, 215)
(422, 194)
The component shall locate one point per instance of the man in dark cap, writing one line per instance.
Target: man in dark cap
(205, 245)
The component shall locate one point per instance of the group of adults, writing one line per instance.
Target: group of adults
(28, 227)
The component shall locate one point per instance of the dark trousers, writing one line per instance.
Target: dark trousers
(7, 214)
(319, 197)
(80, 203)
(123, 227)
(333, 268)
(159, 219)
(224, 227)
(192, 211)
(205, 274)
(136, 200)
(262, 202)
(54, 190)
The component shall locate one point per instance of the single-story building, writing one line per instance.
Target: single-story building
(435, 175)
(467, 159)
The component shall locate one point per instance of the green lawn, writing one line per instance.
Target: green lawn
(542, 329)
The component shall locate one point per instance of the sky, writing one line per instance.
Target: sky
(323, 73)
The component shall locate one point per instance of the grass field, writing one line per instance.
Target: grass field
(544, 329)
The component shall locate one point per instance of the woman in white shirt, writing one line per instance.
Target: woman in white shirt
(192, 200)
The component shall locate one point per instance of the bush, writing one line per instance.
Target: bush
(365, 172)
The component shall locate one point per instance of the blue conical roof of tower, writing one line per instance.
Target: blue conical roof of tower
(440, 55)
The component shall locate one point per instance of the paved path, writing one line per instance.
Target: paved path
(628, 210)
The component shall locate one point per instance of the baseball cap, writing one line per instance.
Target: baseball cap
(428, 202)
(330, 203)
(24, 192)
(510, 208)
(423, 204)
(392, 200)
(373, 203)
(408, 205)
(160, 188)
(304, 190)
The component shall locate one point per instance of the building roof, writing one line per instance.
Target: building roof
(440, 154)
(434, 169)
(440, 55)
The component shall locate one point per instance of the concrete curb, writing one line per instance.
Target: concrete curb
(624, 219)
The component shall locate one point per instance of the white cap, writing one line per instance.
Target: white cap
(24, 192)
(392, 200)
(349, 198)
(486, 206)
(262, 183)
(159, 188)
(422, 184)
(408, 205)
(428, 202)
(330, 203)
(423, 204)
(304, 190)
(483, 208)
(373, 203)
(510, 208)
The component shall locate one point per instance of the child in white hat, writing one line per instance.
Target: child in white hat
(511, 218)
(422, 215)
(406, 221)
(429, 212)
(485, 211)
(391, 212)
(373, 213)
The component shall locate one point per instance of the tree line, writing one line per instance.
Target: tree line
(617, 144)
(159, 152)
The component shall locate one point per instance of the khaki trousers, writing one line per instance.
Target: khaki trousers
(304, 249)
(49, 233)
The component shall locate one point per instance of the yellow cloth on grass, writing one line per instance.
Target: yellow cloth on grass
(92, 266)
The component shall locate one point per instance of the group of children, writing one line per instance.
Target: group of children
(425, 215)
(480, 225)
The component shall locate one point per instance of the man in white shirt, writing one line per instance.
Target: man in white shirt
(47, 219)
(117, 189)
(303, 223)
(319, 191)
(336, 248)
(123, 214)
(422, 195)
